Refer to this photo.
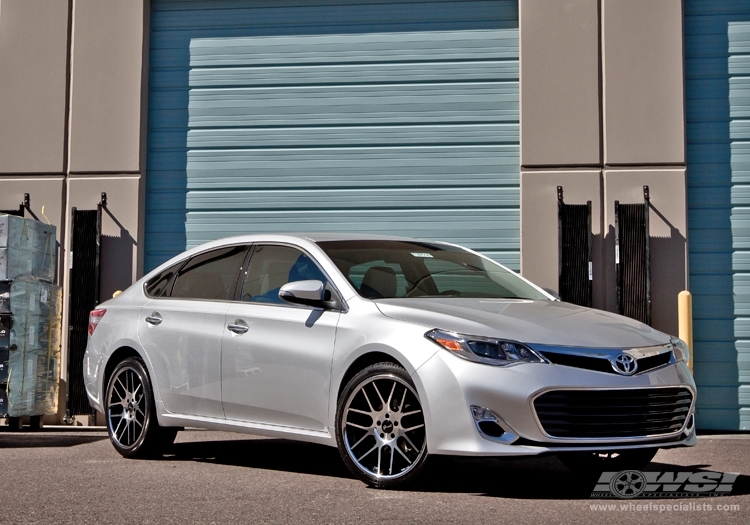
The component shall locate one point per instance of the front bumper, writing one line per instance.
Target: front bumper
(449, 386)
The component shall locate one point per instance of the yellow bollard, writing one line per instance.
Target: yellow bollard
(685, 321)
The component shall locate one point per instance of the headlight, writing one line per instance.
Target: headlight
(680, 349)
(484, 350)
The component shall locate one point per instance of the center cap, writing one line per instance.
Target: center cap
(387, 427)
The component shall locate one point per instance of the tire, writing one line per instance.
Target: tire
(597, 462)
(380, 428)
(131, 413)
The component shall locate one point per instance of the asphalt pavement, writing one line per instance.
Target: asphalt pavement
(213, 477)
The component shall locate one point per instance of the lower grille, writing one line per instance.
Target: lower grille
(613, 413)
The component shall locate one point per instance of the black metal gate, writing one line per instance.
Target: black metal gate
(84, 296)
(632, 259)
(574, 251)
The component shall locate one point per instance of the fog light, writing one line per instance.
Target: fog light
(491, 427)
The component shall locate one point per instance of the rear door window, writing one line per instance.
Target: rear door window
(211, 275)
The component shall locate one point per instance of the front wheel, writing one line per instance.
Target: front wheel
(131, 412)
(380, 426)
(596, 462)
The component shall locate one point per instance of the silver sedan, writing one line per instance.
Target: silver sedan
(389, 349)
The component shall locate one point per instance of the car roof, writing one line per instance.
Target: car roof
(313, 237)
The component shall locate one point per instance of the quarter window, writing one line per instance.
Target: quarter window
(158, 286)
(211, 275)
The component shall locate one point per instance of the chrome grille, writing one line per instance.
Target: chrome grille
(601, 414)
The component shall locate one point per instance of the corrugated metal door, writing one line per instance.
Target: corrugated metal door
(381, 117)
(717, 60)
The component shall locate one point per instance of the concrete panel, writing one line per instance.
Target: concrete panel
(644, 120)
(559, 83)
(668, 228)
(107, 80)
(539, 227)
(33, 65)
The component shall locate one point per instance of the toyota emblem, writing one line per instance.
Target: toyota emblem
(625, 364)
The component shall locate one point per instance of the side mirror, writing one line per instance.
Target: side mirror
(310, 293)
(552, 293)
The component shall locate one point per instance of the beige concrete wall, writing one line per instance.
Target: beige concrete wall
(559, 83)
(33, 65)
(668, 229)
(644, 121)
(539, 227)
(105, 129)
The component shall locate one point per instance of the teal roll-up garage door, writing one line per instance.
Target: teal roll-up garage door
(717, 66)
(378, 117)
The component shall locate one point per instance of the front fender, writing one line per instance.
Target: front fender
(372, 332)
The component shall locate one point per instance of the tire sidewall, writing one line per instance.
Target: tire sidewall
(351, 386)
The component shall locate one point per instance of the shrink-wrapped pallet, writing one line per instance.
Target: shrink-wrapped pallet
(27, 248)
(34, 356)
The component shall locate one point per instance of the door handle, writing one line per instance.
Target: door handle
(154, 319)
(239, 327)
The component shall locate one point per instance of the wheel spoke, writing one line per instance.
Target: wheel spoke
(357, 426)
(360, 458)
(360, 440)
(403, 400)
(390, 469)
(390, 396)
(124, 430)
(410, 442)
(367, 398)
(415, 427)
(378, 393)
(125, 389)
(404, 455)
(410, 413)
(118, 425)
(358, 411)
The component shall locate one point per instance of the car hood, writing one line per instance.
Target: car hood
(532, 322)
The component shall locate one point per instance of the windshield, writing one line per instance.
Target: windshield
(395, 269)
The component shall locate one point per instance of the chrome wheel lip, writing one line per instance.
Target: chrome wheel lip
(385, 440)
(126, 408)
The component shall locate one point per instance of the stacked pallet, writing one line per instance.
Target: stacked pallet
(30, 319)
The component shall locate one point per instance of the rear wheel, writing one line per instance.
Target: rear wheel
(595, 462)
(131, 412)
(380, 427)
